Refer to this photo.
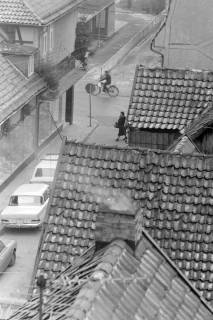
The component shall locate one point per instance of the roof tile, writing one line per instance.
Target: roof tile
(172, 85)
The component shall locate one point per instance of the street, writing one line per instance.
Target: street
(15, 283)
(105, 109)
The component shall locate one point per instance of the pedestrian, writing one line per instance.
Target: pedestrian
(120, 124)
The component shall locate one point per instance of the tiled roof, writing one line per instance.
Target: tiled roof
(33, 12)
(15, 88)
(118, 284)
(47, 10)
(173, 191)
(167, 98)
(16, 12)
(200, 124)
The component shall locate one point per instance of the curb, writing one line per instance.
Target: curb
(90, 133)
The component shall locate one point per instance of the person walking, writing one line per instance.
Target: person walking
(120, 124)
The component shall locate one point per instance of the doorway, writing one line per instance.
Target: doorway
(69, 105)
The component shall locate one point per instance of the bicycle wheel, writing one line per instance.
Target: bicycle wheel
(96, 90)
(113, 91)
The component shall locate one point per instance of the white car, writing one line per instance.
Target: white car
(7, 254)
(27, 206)
(45, 170)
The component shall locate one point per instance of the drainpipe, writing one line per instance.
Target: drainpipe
(162, 26)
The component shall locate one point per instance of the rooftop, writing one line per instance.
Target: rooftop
(117, 283)
(171, 193)
(167, 98)
(15, 89)
(33, 12)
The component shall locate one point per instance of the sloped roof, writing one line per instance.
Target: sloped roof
(89, 8)
(117, 284)
(200, 124)
(33, 12)
(15, 88)
(168, 98)
(16, 12)
(174, 193)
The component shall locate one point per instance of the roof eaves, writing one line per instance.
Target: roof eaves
(60, 13)
(44, 229)
(95, 12)
(172, 264)
(40, 21)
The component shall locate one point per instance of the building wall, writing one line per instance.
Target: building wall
(204, 142)
(153, 139)
(111, 20)
(187, 38)
(63, 38)
(29, 34)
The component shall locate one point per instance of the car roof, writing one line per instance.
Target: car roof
(47, 164)
(51, 157)
(36, 189)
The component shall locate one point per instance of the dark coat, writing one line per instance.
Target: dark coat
(121, 126)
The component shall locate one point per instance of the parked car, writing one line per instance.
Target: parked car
(7, 254)
(45, 170)
(27, 206)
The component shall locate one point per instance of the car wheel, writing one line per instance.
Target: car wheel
(13, 259)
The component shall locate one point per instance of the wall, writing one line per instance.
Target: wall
(29, 34)
(111, 20)
(154, 139)
(205, 141)
(63, 37)
(21, 62)
(186, 41)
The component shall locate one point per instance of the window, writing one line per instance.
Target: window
(51, 45)
(45, 172)
(45, 44)
(31, 66)
(26, 201)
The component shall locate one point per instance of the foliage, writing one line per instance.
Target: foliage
(48, 73)
(82, 40)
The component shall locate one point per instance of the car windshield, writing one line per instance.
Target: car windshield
(45, 172)
(26, 201)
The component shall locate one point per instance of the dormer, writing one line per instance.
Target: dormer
(23, 57)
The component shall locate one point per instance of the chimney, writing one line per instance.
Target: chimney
(115, 219)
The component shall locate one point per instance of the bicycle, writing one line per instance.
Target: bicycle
(111, 90)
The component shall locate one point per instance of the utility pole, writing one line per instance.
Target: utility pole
(41, 283)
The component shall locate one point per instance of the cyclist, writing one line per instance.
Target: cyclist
(105, 80)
